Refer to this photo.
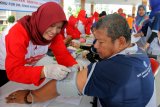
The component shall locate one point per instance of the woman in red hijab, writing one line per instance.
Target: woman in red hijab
(71, 29)
(27, 41)
(90, 22)
(82, 21)
(120, 12)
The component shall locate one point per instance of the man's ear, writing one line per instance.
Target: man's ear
(122, 42)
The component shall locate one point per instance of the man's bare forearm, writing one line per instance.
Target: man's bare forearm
(49, 90)
(46, 92)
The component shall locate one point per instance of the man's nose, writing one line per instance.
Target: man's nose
(96, 45)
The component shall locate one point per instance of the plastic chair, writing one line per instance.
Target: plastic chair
(155, 66)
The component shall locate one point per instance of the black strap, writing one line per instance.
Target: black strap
(151, 38)
(3, 77)
(94, 103)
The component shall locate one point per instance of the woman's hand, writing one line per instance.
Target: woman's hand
(137, 35)
(146, 46)
(68, 39)
(76, 45)
(55, 71)
(17, 96)
(84, 54)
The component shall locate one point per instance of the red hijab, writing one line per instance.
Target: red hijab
(72, 21)
(82, 16)
(95, 16)
(46, 15)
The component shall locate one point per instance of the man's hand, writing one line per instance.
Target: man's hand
(17, 97)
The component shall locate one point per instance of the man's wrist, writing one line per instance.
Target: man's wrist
(31, 97)
(26, 99)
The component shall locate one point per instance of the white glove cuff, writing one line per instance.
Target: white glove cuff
(44, 71)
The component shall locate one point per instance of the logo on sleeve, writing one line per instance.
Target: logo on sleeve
(147, 70)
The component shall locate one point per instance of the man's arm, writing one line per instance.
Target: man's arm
(46, 92)
(81, 79)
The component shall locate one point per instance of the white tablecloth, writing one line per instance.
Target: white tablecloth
(12, 86)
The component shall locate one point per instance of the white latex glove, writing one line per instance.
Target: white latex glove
(75, 68)
(55, 71)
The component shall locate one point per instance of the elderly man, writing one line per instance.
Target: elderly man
(122, 79)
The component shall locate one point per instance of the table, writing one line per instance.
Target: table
(12, 86)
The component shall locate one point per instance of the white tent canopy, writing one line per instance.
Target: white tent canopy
(122, 2)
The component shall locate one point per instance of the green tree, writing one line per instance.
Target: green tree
(11, 19)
